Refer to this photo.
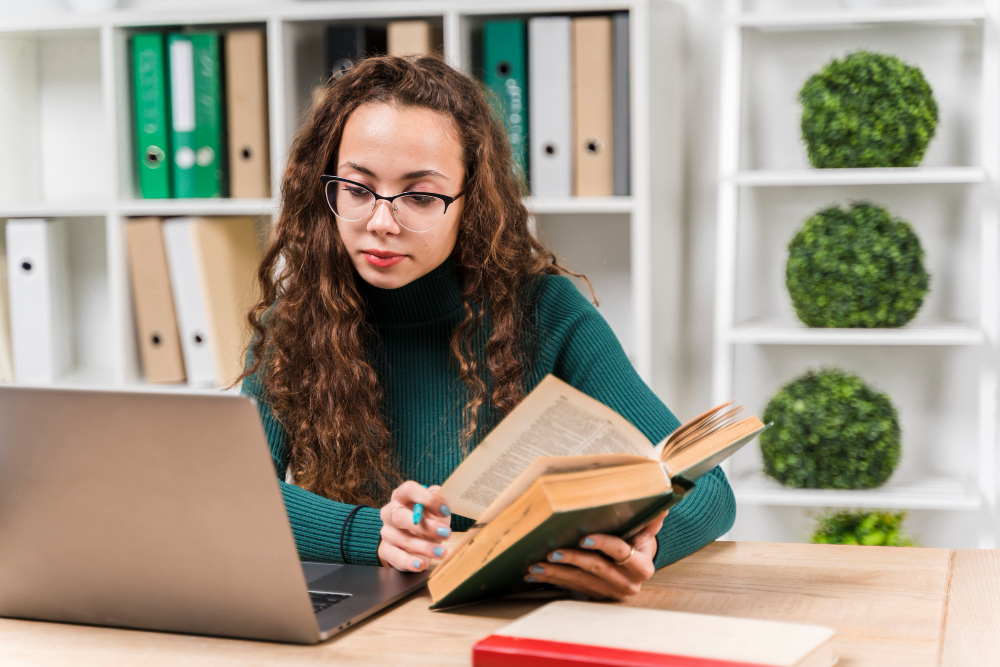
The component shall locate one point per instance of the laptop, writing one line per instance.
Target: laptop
(162, 511)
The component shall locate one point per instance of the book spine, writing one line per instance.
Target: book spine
(208, 167)
(181, 114)
(506, 651)
(151, 120)
(505, 62)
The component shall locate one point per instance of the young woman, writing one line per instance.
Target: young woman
(406, 309)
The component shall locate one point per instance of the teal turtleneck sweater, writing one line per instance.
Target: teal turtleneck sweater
(424, 396)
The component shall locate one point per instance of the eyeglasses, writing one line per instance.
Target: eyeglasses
(415, 211)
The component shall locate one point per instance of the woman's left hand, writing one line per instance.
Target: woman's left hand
(593, 571)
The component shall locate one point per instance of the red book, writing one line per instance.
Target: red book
(593, 634)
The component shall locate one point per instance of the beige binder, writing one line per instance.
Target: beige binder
(6, 353)
(152, 298)
(227, 254)
(593, 149)
(246, 113)
(413, 37)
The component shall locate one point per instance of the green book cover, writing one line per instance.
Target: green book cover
(182, 157)
(149, 83)
(504, 573)
(208, 129)
(505, 73)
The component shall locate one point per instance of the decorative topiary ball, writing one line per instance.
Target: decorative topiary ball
(856, 268)
(831, 431)
(878, 529)
(867, 110)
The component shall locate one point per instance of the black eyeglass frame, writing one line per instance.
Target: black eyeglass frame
(326, 179)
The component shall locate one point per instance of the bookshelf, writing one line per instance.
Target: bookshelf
(941, 370)
(74, 98)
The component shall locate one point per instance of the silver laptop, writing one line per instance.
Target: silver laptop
(162, 511)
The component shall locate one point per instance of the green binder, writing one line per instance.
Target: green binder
(505, 65)
(149, 83)
(208, 130)
(182, 122)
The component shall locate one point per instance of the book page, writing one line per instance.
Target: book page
(554, 420)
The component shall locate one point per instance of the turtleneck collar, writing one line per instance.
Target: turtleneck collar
(431, 297)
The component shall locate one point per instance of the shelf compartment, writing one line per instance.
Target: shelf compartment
(914, 491)
(777, 64)
(829, 20)
(874, 176)
(600, 248)
(91, 358)
(780, 332)
(54, 132)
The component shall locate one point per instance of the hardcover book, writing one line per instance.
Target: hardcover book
(563, 465)
(569, 634)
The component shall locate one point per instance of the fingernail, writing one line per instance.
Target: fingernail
(445, 510)
(587, 542)
(418, 513)
(556, 555)
(424, 485)
(443, 531)
(537, 569)
(417, 564)
(531, 579)
(438, 552)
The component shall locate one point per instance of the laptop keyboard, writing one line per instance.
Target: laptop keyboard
(321, 601)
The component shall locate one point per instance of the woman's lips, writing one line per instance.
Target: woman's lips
(382, 259)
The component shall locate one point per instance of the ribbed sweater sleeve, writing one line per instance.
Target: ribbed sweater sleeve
(577, 343)
(317, 521)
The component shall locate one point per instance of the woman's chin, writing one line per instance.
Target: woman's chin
(384, 278)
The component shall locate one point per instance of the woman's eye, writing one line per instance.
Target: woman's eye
(360, 193)
(422, 200)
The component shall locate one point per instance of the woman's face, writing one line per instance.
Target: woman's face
(391, 150)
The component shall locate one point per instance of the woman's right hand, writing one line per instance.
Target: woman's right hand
(408, 546)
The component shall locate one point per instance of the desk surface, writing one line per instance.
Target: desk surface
(889, 606)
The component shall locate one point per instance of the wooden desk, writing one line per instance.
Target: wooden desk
(890, 606)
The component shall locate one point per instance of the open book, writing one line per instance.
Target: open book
(563, 465)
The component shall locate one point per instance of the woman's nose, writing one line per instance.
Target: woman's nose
(382, 220)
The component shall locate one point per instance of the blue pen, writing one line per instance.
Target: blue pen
(418, 510)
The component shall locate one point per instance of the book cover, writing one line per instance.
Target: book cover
(593, 145)
(569, 633)
(192, 318)
(246, 113)
(182, 115)
(621, 122)
(39, 299)
(505, 66)
(550, 85)
(226, 254)
(209, 156)
(152, 298)
(152, 126)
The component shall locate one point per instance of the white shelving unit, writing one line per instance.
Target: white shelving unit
(940, 371)
(67, 126)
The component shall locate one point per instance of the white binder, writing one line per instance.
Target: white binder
(192, 318)
(550, 130)
(39, 303)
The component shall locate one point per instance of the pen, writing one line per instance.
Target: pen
(418, 510)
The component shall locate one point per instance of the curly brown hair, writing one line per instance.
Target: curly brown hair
(310, 331)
